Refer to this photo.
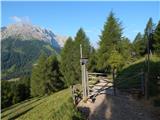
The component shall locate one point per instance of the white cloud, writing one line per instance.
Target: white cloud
(20, 19)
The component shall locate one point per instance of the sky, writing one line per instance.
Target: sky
(65, 18)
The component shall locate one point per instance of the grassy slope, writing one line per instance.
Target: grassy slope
(57, 106)
(135, 68)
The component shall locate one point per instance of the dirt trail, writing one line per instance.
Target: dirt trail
(109, 107)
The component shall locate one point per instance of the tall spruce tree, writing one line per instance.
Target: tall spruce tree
(156, 38)
(126, 49)
(109, 40)
(149, 26)
(46, 76)
(82, 39)
(70, 57)
(66, 65)
(53, 81)
(139, 45)
(92, 63)
(38, 77)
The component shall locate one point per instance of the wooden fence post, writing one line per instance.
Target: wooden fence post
(114, 84)
(146, 85)
(142, 82)
(87, 83)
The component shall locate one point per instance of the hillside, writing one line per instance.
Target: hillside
(131, 75)
(57, 106)
(22, 43)
(19, 56)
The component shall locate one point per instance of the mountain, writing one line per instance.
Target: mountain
(27, 31)
(22, 44)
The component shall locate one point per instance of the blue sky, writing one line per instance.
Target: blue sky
(66, 18)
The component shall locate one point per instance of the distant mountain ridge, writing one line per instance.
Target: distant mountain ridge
(22, 44)
(27, 31)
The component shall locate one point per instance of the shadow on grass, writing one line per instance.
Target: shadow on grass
(18, 108)
(23, 112)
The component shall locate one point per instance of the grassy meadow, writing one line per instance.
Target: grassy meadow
(58, 106)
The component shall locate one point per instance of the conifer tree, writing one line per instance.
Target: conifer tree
(38, 77)
(53, 80)
(126, 49)
(156, 38)
(139, 45)
(109, 40)
(82, 39)
(70, 57)
(46, 76)
(149, 26)
(92, 63)
(66, 66)
(115, 60)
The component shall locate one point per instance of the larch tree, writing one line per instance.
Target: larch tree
(82, 39)
(92, 62)
(156, 38)
(70, 57)
(139, 45)
(148, 28)
(66, 65)
(109, 41)
(53, 81)
(38, 77)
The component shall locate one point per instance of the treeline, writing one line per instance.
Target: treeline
(151, 32)
(13, 92)
(115, 50)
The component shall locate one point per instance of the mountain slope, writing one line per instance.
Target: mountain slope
(22, 43)
(19, 56)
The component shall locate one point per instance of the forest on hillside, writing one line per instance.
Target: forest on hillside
(18, 56)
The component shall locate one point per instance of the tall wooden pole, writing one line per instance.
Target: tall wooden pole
(148, 62)
(81, 50)
(83, 62)
(87, 84)
(82, 68)
(148, 53)
(84, 80)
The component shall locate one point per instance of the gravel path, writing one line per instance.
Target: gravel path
(109, 107)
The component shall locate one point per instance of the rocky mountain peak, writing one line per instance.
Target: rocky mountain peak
(27, 31)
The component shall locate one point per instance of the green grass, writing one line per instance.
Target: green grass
(130, 74)
(58, 106)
